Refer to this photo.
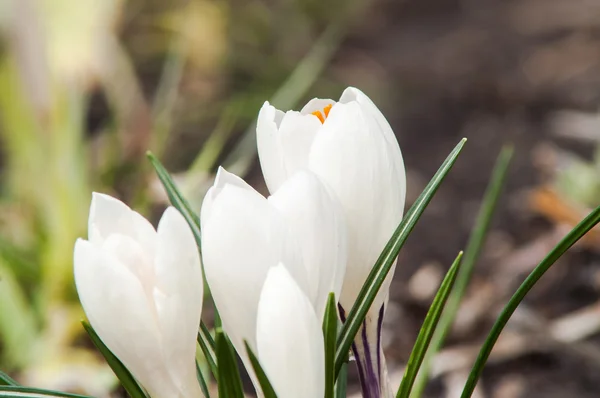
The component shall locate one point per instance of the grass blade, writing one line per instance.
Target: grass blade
(263, 380)
(342, 382)
(426, 333)
(330, 327)
(25, 392)
(179, 202)
(175, 197)
(569, 240)
(208, 355)
(202, 381)
(473, 249)
(387, 258)
(127, 380)
(6, 380)
(229, 381)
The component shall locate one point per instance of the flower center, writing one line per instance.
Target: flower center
(322, 115)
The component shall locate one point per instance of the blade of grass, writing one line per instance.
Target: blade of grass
(569, 240)
(426, 333)
(263, 380)
(387, 258)
(6, 380)
(127, 380)
(342, 382)
(330, 327)
(24, 392)
(202, 381)
(229, 381)
(208, 355)
(474, 245)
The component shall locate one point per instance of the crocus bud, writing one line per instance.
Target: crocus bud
(289, 338)
(351, 147)
(245, 234)
(141, 290)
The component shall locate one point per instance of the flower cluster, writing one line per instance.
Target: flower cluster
(337, 185)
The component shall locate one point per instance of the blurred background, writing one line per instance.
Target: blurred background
(88, 86)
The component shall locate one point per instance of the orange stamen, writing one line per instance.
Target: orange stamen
(320, 115)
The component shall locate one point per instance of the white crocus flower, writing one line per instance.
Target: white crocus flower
(141, 290)
(289, 338)
(244, 234)
(351, 147)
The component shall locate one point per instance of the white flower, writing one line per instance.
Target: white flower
(290, 338)
(244, 235)
(351, 147)
(141, 290)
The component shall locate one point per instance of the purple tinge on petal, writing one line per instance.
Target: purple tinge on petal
(367, 351)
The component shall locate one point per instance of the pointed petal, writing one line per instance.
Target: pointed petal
(178, 297)
(270, 151)
(222, 179)
(243, 237)
(109, 215)
(118, 309)
(315, 217)
(289, 337)
(351, 155)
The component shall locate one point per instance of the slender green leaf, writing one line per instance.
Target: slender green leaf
(387, 259)
(202, 381)
(175, 197)
(263, 380)
(208, 355)
(474, 245)
(569, 240)
(330, 328)
(229, 381)
(426, 333)
(127, 380)
(6, 380)
(342, 382)
(179, 202)
(24, 392)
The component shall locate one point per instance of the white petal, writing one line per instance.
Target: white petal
(316, 219)
(109, 216)
(296, 134)
(222, 179)
(243, 237)
(270, 151)
(354, 94)
(178, 297)
(289, 336)
(353, 157)
(118, 309)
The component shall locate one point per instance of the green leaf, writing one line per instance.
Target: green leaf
(127, 380)
(387, 259)
(202, 381)
(342, 382)
(474, 245)
(229, 381)
(175, 197)
(569, 240)
(6, 380)
(208, 353)
(24, 392)
(426, 332)
(330, 327)
(263, 380)
(179, 202)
